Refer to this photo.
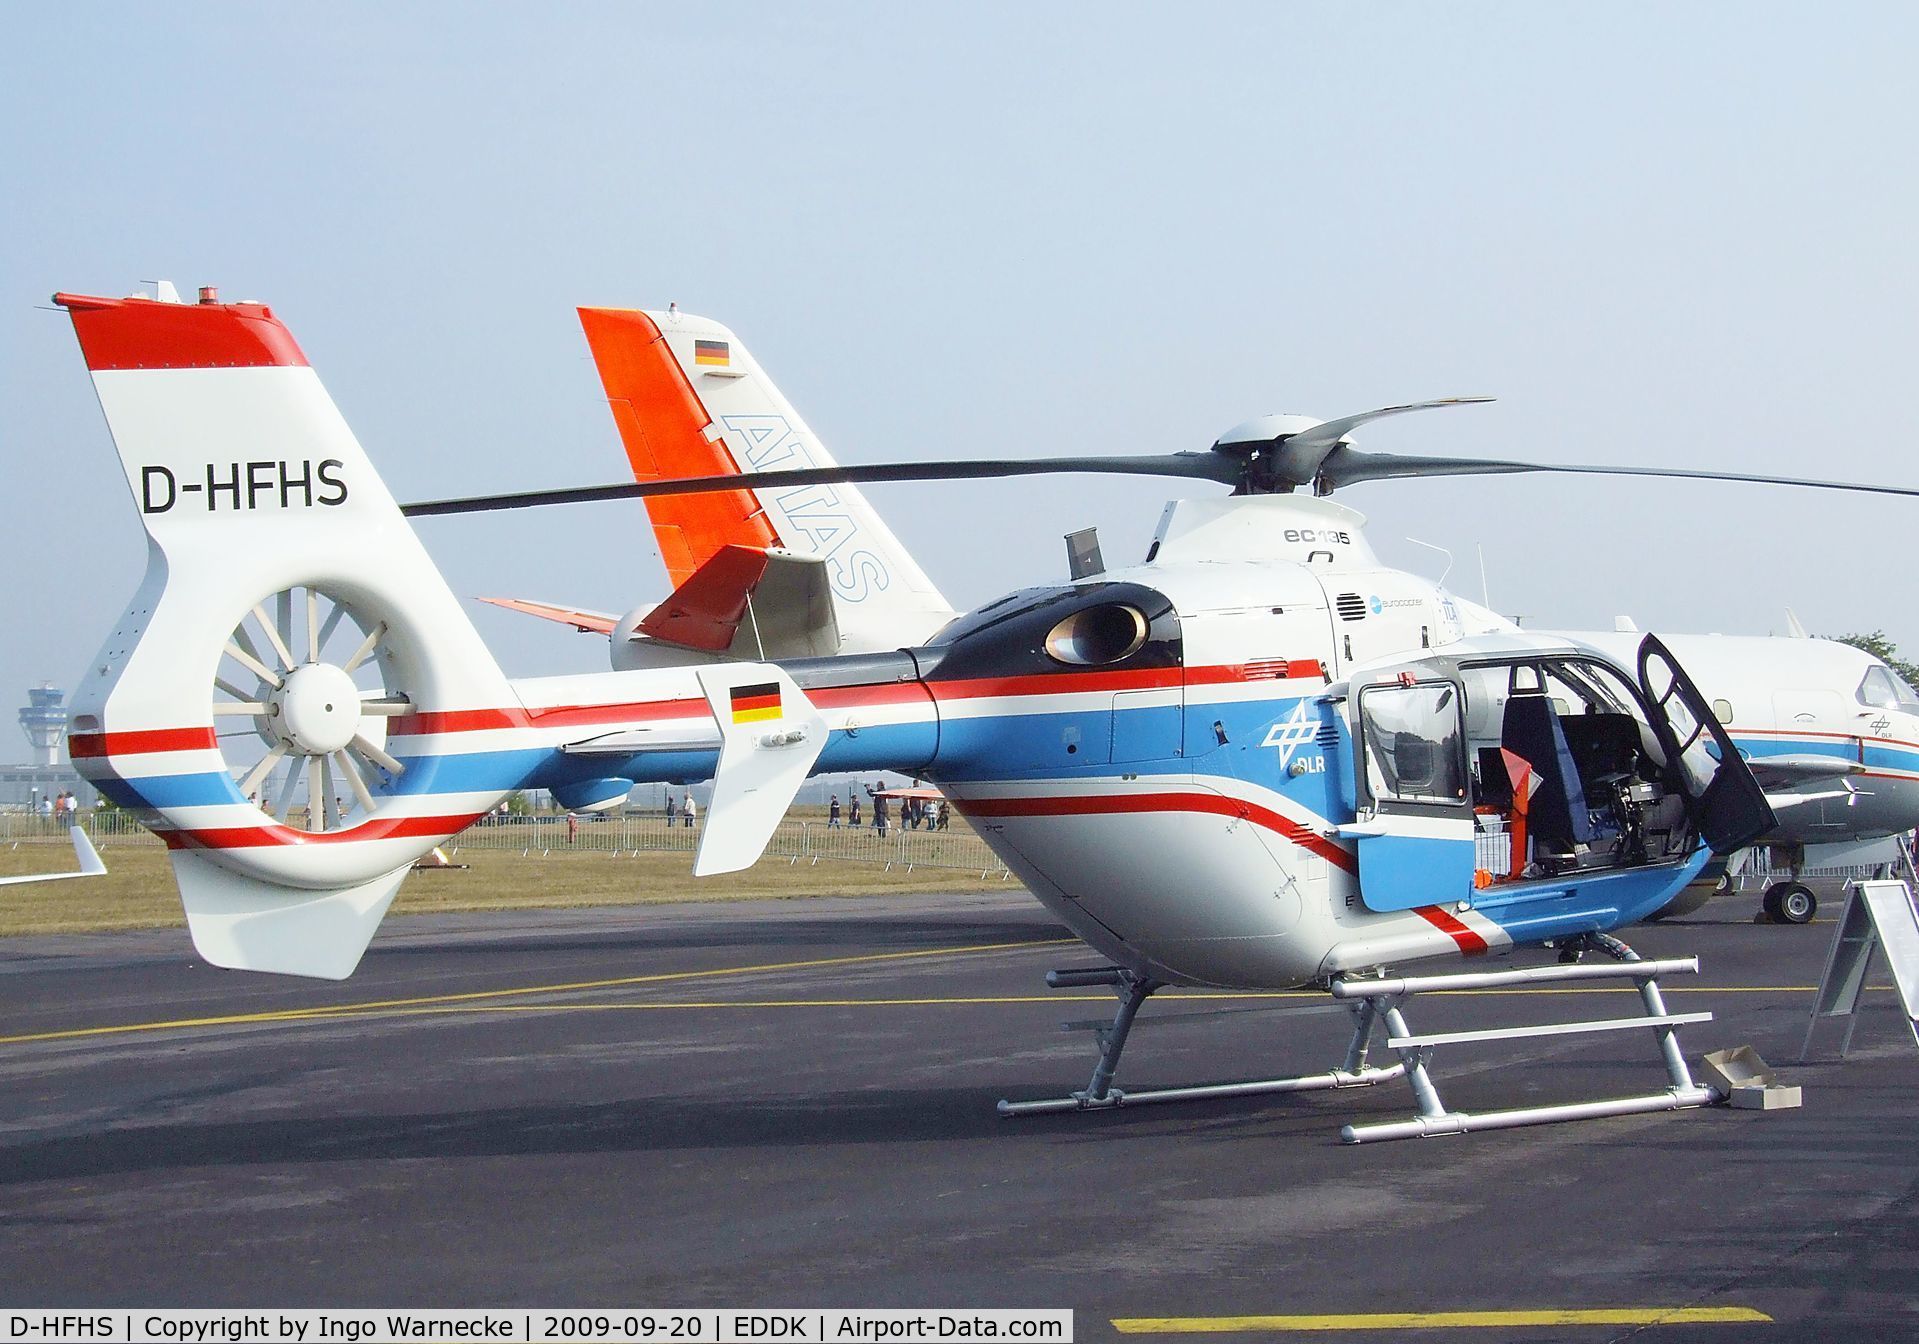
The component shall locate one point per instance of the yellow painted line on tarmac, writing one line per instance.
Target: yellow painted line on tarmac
(385, 1005)
(489, 1000)
(696, 1005)
(1437, 1320)
(928, 1001)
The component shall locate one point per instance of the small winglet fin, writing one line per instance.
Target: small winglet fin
(90, 864)
(770, 736)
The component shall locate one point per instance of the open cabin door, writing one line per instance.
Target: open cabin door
(1415, 830)
(1728, 806)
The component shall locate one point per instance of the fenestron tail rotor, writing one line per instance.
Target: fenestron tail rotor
(311, 674)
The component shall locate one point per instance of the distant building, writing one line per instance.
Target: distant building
(47, 773)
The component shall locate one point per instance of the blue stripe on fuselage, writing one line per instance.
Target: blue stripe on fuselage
(1266, 739)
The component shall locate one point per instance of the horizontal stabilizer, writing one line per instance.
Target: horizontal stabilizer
(248, 925)
(751, 603)
(634, 741)
(586, 622)
(770, 735)
(90, 864)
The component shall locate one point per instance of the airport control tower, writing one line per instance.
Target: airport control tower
(45, 723)
(46, 774)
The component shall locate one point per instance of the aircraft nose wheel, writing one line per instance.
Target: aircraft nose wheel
(1789, 903)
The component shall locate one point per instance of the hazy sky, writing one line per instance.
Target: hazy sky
(1659, 234)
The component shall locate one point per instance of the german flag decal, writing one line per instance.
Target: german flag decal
(716, 353)
(751, 704)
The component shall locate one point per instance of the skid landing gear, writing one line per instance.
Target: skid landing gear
(1133, 991)
(1416, 1051)
(1373, 1003)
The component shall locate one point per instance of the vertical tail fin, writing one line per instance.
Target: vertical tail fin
(290, 638)
(690, 400)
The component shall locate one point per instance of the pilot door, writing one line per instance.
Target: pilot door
(1415, 828)
(1728, 806)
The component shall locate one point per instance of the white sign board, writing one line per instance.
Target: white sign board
(1879, 915)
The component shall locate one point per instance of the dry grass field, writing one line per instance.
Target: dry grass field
(138, 892)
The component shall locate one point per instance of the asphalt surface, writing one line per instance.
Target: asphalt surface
(791, 1103)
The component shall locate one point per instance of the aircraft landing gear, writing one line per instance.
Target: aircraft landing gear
(1789, 903)
(1133, 991)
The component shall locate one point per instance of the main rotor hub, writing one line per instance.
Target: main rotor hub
(1267, 431)
(316, 710)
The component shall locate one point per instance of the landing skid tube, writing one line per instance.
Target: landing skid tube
(1376, 1002)
(1133, 991)
(1415, 1051)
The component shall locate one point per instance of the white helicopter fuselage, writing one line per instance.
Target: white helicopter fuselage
(1203, 820)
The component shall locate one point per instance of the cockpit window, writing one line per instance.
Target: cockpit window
(1885, 689)
(1415, 746)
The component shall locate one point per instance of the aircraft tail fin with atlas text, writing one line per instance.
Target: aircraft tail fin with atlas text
(689, 399)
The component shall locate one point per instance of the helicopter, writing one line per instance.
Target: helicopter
(1214, 767)
(1831, 732)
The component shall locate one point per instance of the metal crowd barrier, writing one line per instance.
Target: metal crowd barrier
(796, 841)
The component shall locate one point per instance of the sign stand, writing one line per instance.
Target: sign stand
(1878, 915)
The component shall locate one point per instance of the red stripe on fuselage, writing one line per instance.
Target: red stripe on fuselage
(85, 746)
(555, 716)
(1142, 679)
(1108, 804)
(1469, 942)
(253, 837)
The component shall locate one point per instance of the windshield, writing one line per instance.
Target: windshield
(1885, 689)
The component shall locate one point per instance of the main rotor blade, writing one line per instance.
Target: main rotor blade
(1190, 466)
(1351, 467)
(1297, 457)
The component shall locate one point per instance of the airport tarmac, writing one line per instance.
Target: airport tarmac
(791, 1103)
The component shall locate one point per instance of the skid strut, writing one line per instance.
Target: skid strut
(1133, 991)
(1416, 1051)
